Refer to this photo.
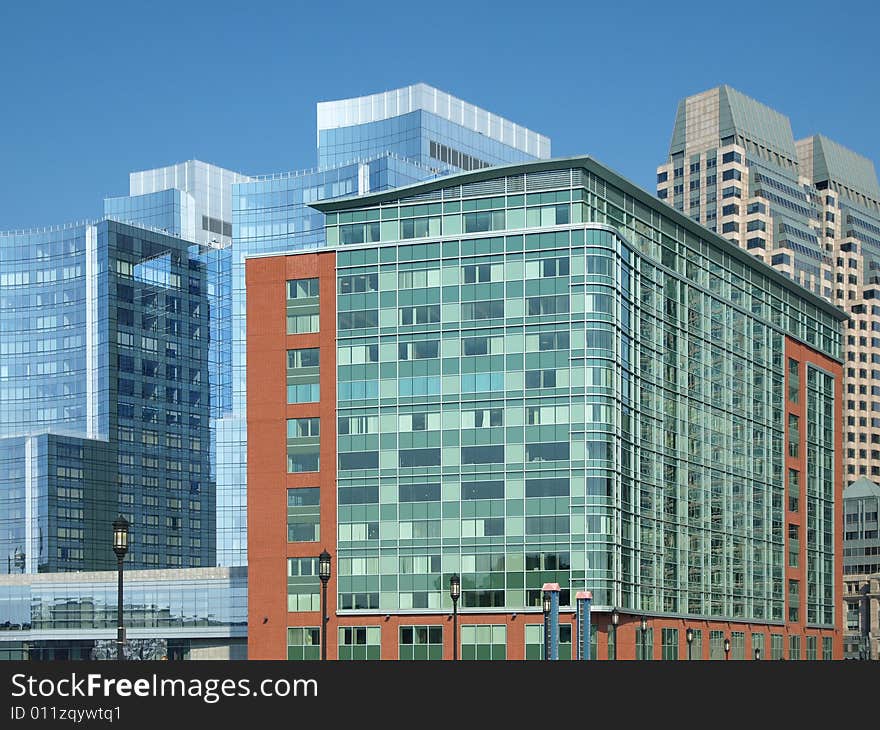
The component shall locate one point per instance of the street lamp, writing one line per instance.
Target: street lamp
(120, 547)
(324, 575)
(726, 649)
(547, 606)
(689, 635)
(757, 654)
(644, 633)
(455, 594)
(615, 619)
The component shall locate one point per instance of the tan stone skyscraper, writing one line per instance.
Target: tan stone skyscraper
(810, 208)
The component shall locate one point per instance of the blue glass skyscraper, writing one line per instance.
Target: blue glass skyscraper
(365, 144)
(424, 125)
(104, 381)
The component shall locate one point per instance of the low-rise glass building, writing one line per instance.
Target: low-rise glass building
(538, 374)
(192, 613)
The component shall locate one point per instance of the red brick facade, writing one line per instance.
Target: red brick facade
(268, 481)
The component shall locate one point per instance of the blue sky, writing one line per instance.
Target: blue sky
(93, 90)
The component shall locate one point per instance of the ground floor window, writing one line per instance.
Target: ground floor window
(484, 642)
(421, 642)
(535, 641)
(304, 642)
(360, 642)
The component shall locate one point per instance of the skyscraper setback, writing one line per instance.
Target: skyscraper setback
(808, 207)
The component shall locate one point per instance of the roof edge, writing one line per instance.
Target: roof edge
(590, 164)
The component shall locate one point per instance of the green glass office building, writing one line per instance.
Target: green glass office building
(538, 374)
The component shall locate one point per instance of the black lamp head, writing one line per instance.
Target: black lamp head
(644, 623)
(615, 617)
(454, 587)
(120, 536)
(689, 635)
(546, 603)
(324, 566)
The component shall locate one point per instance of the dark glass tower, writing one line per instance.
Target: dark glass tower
(104, 379)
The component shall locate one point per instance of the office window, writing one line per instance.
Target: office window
(421, 350)
(540, 379)
(794, 545)
(304, 643)
(670, 643)
(481, 273)
(360, 643)
(489, 309)
(482, 345)
(794, 435)
(481, 418)
(552, 267)
(555, 451)
(361, 319)
(794, 600)
(425, 314)
(794, 380)
(559, 304)
(303, 442)
(484, 642)
(696, 651)
(303, 515)
(302, 375)
(535, 641)
(737, 645)
(794, 647)
(479, 222)
(418, 279)
(358, 283)
(302, 306)
(358, 425)
(358, 354)
(420, 642)
(777, 646)
(794, 490)
(303, 585)
(758, 645)
(716, 645)
(482, 454)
